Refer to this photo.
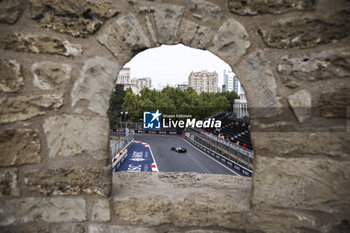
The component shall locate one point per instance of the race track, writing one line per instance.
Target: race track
(171, 161)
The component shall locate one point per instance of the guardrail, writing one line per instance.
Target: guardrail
(118, 145)
(228, 143)
(229, 163)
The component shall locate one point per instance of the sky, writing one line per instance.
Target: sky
(172, 64)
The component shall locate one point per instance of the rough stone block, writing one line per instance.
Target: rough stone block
(301, 104)
(51, 76)
(69, 135)
(152, 210)
(27, 210)
(231, 41)
(19, 146)
(208, 10)
(21, 42)
(68, 228)
(10, 11)
(282, 221)
(9, 183)
(195, 35)
(256, 72)
(71, 182)
(101, 210)
(26, 228)
(210, 209)
(75, 17)
(307, 32)
(334, 103)
(25, 107)
(95, 84)
(167, 17)
(11, 79)
(254, 7)
(125, 37)
(310, 67)
(118, 229)
(336, 145)
(302, 183)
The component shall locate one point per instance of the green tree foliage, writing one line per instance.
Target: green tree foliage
(171, 101)
(115, 105)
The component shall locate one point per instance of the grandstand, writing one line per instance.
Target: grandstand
(234, 129)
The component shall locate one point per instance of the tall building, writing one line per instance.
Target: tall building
(203, 81)
(229, 81)
(123, 76)
(240, 107)
(144, 82)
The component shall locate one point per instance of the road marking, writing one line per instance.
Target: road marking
(212, 158)
(154, 169)
(201, 166)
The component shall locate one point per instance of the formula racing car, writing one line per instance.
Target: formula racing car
(179, 149)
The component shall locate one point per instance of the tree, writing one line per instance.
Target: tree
(115, 105)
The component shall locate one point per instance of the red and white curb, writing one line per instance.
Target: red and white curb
(154, 164)
(154, 167)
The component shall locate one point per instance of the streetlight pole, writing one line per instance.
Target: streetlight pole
(125, 114)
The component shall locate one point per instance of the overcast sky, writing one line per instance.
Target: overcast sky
(172, 64)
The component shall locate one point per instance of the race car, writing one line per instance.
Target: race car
(179, 149)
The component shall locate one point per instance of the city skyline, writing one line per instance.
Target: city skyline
(172, 64)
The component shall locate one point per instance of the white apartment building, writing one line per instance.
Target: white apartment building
(144, 82)
(203, 81)
(123, 76)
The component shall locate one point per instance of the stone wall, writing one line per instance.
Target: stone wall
(59, 59)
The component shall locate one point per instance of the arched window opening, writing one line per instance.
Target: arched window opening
(179, 109)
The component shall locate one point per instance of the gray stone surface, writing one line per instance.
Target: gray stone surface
(231, 41)
(19, 146)
(208, 10)
(72, 181)
(284, 221)
(314, 184)
(296, 70)
(125, 36)
(256, 73)
(183, 199)
(101, 211)
(195, 35)
(95, 84)
(335, 103)
(150, 29)
(286, 144)
(27, 210)
(21, 42)
(9, 186)
(11, 79)
(254, 7)
(70, 135)
(168, 17)
(94, 228)
(50, 75)
(23, 107)
(68, 228)
(75, 17)
(10, 11)
(307, 32)
(301, 104)
(208, 209)
(152, 210)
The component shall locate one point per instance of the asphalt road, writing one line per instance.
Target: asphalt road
(191, 161)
